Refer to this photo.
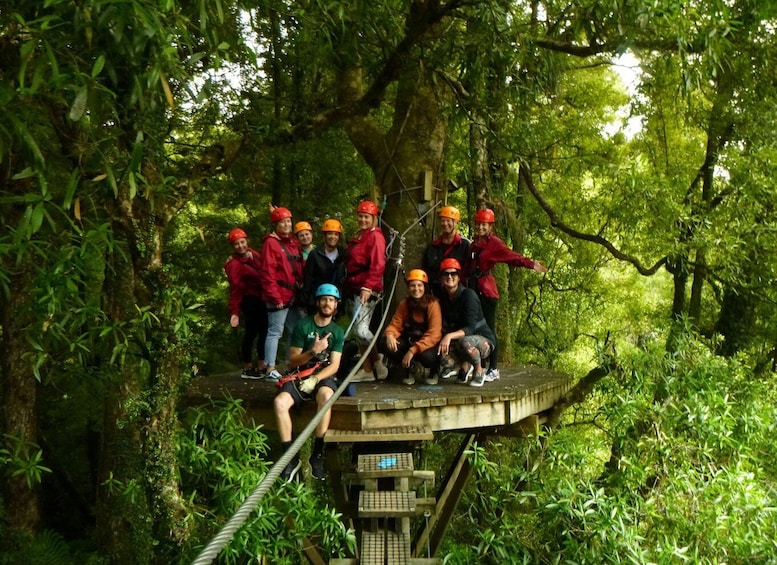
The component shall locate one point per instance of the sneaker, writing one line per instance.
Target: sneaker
(431, 378)
(477, 380)
(363, 376)
(273, 376)
(492, 375)
(252, 374)
(464, 377)
(317, 466)
(381, 371)
(291, 469)
(409, 379)
(449, 374)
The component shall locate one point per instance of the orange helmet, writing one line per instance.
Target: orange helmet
(367, 207)
(332, 225)
(450, 263)
(485, 215)
(279, 214)
(417, 275)
(236, 234)
(450, 212)
(302, 226)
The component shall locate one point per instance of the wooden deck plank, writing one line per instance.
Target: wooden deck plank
(521, 392)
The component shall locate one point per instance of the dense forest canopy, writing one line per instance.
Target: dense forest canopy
(134, 134)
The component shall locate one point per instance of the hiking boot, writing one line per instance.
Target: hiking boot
(381, 371)
(292, 468)
(317, 466)
(251, 374)
(477, 380)
(414, 373)
(464, 377)
(492, 375)
(273, 376)
(363, 376)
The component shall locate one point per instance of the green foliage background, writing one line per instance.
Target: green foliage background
(134, 135)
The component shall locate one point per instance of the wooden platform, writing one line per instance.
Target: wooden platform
(521, 393)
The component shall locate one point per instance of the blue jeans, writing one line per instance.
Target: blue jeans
(275, 322)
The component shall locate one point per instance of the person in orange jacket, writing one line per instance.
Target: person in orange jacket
(411, 339)
(485, 251)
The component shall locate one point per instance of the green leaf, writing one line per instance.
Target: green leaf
(78, 109)
(98, 66)
(70, 191)
(26, 173)
(133, 187)
(112, 179)
(37, 217)
(137, 153)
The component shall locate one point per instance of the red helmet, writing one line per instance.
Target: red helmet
(332, 225)
(485, 215)
(450, 263)
(450, 212)
(417, 275)
(367, 207)
(279, 214)
(236, 234)
(302, 226)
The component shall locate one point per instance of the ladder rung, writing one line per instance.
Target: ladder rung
(397, 433)
(386, 504)
(385, 547)
(371, 466)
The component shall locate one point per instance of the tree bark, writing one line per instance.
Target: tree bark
(19, 388)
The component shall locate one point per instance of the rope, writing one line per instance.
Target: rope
(227, 532)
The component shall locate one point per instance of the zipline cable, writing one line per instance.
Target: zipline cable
(227, 532)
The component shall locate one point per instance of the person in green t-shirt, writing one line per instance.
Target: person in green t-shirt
(316, 349)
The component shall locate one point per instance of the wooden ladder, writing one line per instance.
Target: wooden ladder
(385, 545)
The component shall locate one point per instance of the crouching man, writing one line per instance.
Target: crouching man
(316, 348)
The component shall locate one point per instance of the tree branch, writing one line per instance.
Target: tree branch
(420, 19)
(556, 222)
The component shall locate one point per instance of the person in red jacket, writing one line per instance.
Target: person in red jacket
(485, 251)
(411, 339)
(281, 277)
(245, 299)
(365, 264)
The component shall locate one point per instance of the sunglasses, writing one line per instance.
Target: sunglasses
(450, 274)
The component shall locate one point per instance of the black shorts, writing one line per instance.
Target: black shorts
(292, 387)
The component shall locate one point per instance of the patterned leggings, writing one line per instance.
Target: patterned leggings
(472, 349)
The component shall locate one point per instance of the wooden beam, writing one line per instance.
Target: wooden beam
(431, 534)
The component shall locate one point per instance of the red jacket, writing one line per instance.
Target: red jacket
(281, 275)
(365, 261)
(485, 252)
(243, 277)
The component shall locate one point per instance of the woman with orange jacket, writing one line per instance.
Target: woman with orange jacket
(411, 339)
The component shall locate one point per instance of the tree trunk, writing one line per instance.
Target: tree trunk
(123, 510)
(19, 388)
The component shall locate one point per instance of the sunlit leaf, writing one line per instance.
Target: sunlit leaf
(78, 109)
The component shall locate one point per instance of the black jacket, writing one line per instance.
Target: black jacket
(319, 270)
(463, 312)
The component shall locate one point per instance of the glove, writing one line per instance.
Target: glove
(308, 385)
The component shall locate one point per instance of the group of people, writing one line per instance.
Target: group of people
(444, 328)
